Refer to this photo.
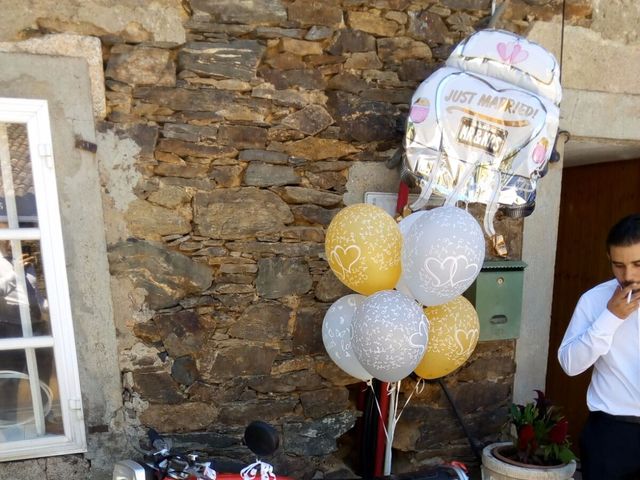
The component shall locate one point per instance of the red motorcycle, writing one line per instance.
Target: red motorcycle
(263, 440)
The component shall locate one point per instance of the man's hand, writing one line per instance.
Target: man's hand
(623, 302)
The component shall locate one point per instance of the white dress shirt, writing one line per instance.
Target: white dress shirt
(597, 337)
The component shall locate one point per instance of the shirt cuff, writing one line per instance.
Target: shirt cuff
(607, 323)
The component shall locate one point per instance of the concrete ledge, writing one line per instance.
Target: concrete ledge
(603, 115)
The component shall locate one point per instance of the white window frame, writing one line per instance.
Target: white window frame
(35, 115)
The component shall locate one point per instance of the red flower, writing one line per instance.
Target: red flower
(539, 432)
(526, 436)
(558, 433)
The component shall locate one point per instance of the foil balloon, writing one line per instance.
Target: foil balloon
(482, 128)
(442, 255)
(336, 335)
(362, 246)
(390, 332)
(453, 335)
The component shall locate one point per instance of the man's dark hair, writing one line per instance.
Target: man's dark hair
(624, 233)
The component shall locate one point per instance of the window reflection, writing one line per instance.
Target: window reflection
(23, 299)
(17, 418)
(21, 177)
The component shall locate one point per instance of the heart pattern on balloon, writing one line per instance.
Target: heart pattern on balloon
(419, 110)
(345, 258)
(466, 340)
(441, 270)
(444, 271)
(512, 52)
(419, 339)
(469, 271)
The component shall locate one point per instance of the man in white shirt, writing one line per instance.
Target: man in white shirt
(605, 332)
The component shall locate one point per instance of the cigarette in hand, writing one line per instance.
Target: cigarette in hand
(629, 296)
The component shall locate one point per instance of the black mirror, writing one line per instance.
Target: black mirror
(261, 438)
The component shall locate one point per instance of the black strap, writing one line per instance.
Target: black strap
(472, 442)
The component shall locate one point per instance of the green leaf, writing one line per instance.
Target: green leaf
(565, 455)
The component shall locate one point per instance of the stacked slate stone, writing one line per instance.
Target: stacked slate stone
(246, 136)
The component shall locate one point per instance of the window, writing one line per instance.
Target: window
(40, 406)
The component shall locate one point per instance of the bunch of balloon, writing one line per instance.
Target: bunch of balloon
(382, 335)
(453, 335)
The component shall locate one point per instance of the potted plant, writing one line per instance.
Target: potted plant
(539, 448)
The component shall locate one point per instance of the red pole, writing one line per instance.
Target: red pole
(403, 197)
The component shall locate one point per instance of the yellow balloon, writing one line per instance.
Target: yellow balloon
(363, 246)
(453, 335)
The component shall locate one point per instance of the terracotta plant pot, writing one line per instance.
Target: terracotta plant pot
(497, 467)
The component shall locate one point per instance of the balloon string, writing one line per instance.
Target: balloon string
(426, 188)
(375, 397)
(492, 205)
(393, 389)
(455, 194)
(425, 193)
(418, 389)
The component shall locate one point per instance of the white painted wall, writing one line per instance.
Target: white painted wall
(539, 241)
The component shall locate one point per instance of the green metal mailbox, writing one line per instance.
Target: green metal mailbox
(497, 297)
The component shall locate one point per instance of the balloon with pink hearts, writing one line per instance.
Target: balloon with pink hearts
(482, 128)
(442, 255)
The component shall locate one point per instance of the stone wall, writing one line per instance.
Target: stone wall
(223, 160)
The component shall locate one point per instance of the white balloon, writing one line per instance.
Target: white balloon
(336, 335)
(405, 224)
(442, 255)
(390, 332)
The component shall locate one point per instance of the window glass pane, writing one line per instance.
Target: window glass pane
(19, 187)
(17, 418)
(23, 298)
